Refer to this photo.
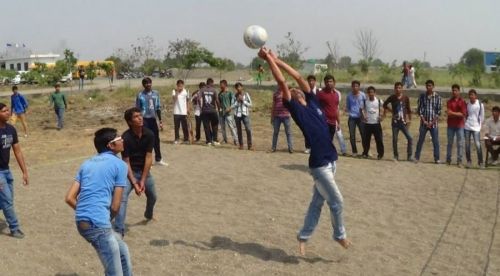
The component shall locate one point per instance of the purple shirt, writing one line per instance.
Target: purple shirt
(279, 110)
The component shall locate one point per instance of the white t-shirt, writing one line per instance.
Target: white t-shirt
(180, 105)
(372, 110)
(475, 116)
(492, 127)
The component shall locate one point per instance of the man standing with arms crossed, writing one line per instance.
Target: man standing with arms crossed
(138, 154)
(307, 114)
(148, 101)
(456, 112)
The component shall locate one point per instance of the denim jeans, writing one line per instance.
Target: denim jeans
(451, 132)
(421, 139)
(277, 121)
(80, 83)
(477, 141)
(111, 249)
(150, 191)
(248, 129)
(152, 125)
(352, 123)
(324, 188)
(60, 117)
(7, 199)
(396, 127)
(340, 138)
(228, 120)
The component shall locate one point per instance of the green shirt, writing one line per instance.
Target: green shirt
(58, 100)
(226, 100)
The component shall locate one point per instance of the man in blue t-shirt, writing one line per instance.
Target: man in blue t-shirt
(96, 195)
(307, 114)
(353, 106)
(19, 106)
(8, 140)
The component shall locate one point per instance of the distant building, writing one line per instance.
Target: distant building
(24, 60)
(490, 59)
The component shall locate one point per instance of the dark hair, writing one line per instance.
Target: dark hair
(129, 113)
(238, 84)
(311, 77)
(2, 105)
(223, 82)
(57, 85)
(495, 108)
(329, 77)
(210, 81)
(14, 87)
(355, 82)
(429, 82)
(202, 84)
(473, 91)
(455, 86)
(102, 137)
(371, 88)
(146, 80)
(398, 83)
(180, 82)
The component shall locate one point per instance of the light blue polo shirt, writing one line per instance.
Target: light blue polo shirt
(98, 176)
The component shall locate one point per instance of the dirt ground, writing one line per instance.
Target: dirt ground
(223, 211)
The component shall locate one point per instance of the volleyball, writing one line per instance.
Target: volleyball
(255, 36)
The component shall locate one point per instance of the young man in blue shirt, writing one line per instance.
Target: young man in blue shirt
(95, 196)
(307, 114)
(353, 106)
(19, 106)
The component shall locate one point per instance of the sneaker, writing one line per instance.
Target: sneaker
(468, 164)
(438, 162)
(307, 151)
(410, 159)
(365, 156)
(290, 151)
(176, 142)
(460, 165)
(494, 163)
(215, 143)
(379, 157)
(161, 163)
(18, 234)
(415, 161)
(344, 154)
(481, 166)
(272, 150)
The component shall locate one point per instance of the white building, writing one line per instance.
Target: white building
(25, 60)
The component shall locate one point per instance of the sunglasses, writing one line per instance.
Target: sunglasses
(118, 138)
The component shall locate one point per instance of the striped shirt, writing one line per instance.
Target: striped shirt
(279, 110)
(242, 108)
(429, 107)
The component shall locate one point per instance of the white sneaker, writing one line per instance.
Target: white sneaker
(307, 151)
(161, 163)
(176, 142)
(215, 143)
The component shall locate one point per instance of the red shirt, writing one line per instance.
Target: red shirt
(329, 103)
(456, 105)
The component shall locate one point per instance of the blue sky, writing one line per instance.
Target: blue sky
(442, 30)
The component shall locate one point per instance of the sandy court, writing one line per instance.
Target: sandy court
(230, 212)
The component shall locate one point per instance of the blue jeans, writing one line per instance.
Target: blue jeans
(451, 132)
(150, 191)
(111, 249)
(324, 188)
(7, 199)
(397, 126)
(352, 123)
(228, 119)
(60, 116)
(80, 83)
(421, 138)
(477, 141)
(340, 139)
(277, 121)
(248, 129)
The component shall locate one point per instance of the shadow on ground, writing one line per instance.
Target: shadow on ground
(252, 249)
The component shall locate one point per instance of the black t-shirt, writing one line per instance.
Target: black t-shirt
(8, 137)
(208, 98)
(135, 148)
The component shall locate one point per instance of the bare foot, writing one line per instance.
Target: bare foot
(302, 248)
(345, 243)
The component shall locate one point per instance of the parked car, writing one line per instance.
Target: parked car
(66, 78)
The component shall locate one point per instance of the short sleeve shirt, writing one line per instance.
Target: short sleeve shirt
(329, 102)
(180, 105)
(208, 98)
(98, 177)
(135, 148)
(8, 137)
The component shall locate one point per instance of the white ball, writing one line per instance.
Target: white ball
(255, 36)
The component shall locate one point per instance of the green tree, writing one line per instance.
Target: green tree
(473, 59)
(345, 62)
(108, 69)
(185, 54)
(91, 71)
(291, 51)
(151, 65)
(69, 60)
